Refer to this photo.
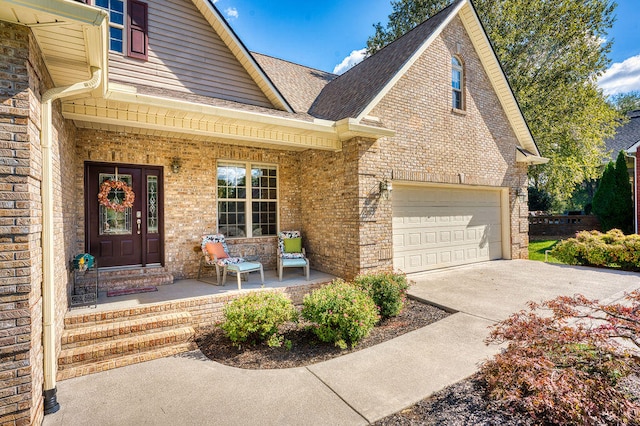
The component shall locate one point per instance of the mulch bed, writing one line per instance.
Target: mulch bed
(463, 403)
(306, 348)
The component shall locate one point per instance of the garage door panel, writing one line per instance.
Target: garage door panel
(436, 228)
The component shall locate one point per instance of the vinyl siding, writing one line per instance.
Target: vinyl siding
(186, 54)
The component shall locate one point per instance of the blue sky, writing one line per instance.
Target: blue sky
(323, 34)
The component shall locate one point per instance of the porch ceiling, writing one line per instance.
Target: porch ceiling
(71, 35)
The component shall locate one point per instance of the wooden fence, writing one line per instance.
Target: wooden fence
(561, 226)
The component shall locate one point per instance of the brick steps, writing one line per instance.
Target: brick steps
(97, 333)
(127, 337)
(123, 361)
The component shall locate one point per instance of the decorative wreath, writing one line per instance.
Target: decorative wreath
(120, 205)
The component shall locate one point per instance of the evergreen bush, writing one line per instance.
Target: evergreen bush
(388, 291)
(255, 318)
(341, 313)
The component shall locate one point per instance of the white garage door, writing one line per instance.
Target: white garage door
(441, 227)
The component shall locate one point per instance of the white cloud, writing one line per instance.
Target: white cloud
(621, 77)
(353, 59)
(231, 12)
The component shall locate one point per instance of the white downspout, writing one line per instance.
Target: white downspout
(48, 262)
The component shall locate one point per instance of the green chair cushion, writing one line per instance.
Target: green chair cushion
(293, 245)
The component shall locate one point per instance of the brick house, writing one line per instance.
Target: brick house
(414, 159)
(627, 139)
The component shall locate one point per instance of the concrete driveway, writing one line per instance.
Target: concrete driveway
(494, 290)
(354, 389)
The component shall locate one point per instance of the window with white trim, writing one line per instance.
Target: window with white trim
(457, 81)
(116, 23)
(128, 33)
(247, 207)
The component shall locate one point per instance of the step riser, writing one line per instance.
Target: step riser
(121, 347)
(102, 333)
(96, 367)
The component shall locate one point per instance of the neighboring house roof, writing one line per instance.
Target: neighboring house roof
(349, 94)
(300, 85)
(626, 135)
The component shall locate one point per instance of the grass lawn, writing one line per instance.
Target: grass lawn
(537, 249)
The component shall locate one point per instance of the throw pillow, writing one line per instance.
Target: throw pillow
(293, 245)
(216, 250)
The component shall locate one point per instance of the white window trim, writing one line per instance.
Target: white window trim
(249, 199)
(123, 27)
(459, 68)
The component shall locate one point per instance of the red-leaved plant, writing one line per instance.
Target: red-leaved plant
(564, 360)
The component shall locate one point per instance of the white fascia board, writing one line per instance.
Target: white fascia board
(71, 10)
(348, 128)
(498, 80)
(633, 148)
(402, 71)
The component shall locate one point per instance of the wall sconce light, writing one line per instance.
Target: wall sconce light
(176, 164)
(521, 194)
(385, 188)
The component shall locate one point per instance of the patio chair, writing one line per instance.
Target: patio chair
(291, 254)
(215, 253)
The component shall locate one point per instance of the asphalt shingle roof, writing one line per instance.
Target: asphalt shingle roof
(349, 94)
(626, 136)
(300, 85)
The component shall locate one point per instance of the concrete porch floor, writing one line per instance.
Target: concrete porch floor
(190, 288)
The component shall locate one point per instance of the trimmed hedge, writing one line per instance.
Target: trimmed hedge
(593, 248)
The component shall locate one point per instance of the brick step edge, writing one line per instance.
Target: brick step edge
(96, 333)
(128, 346)
(200, 303)
(123, 361)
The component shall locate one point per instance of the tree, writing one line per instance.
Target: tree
(626, 102)
(612, 202)
(551, 52)
(624, 196)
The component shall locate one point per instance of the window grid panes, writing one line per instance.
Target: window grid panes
(152, 204)
(113, 222)
(456, 82)
(247, 211)
(116, 23)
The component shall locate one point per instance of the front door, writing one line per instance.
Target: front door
(124, 225)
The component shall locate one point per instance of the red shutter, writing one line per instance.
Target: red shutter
(137, 43)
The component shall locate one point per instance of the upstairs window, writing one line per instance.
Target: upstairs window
(127, 31)
(457, 79)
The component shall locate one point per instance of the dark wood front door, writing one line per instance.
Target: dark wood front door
(124, 236)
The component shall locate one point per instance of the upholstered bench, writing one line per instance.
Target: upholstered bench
(242, 268)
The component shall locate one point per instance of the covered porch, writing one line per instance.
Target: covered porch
(129, 329)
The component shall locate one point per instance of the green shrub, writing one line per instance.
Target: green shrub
(388, 291)
(256, 317)
(341, 313)
(613, 249)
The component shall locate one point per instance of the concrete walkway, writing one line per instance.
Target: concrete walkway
(354, 389)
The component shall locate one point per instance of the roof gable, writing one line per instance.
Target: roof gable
(358, 90)
(355, 93)
(239, 50)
